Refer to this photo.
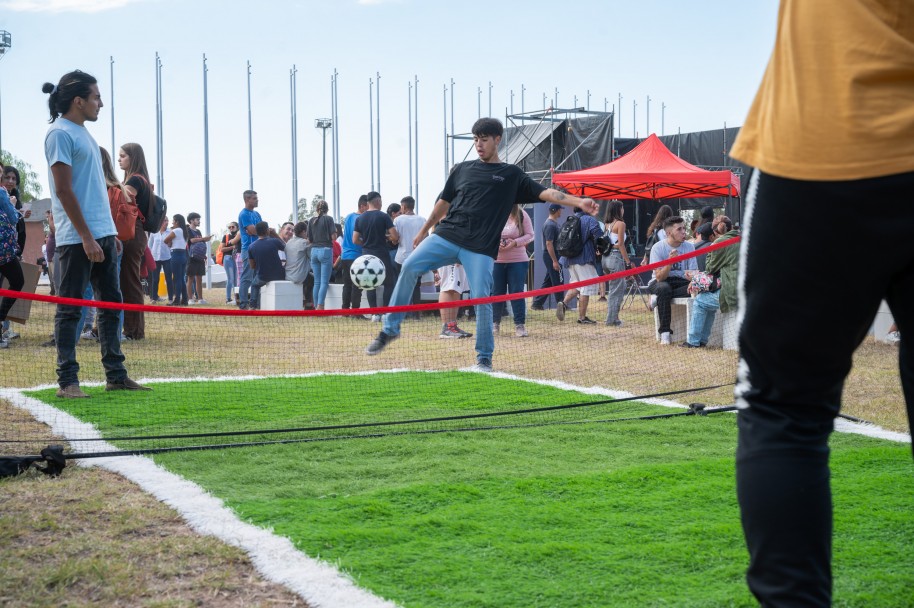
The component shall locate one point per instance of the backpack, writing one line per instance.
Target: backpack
(570, 242)
(124, 212)
(651, 241)
(156, 209)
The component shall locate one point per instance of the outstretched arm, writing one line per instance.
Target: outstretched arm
(551, 195)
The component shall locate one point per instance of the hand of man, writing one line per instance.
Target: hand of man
(93, 250)
(555, 266)
(419, 238)
(589, 206)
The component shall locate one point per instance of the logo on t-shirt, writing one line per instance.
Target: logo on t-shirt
(498, 178)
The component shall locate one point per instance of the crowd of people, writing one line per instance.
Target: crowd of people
(817, 162)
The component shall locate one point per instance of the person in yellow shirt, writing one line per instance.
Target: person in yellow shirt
(831, 135)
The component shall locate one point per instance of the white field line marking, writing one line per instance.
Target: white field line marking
(319, 583)
(274, 556)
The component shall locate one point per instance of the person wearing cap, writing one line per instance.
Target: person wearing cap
(704, 236)
(550, 232)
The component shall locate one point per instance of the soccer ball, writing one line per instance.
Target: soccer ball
(367, 272)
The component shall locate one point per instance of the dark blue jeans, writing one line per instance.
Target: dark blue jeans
(553, 277)
(509, 278)
(76, 272)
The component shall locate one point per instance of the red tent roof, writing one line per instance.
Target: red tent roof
(650, 171)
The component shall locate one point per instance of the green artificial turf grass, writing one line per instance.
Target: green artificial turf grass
(613, 514)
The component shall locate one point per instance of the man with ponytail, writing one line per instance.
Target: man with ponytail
(86, 235)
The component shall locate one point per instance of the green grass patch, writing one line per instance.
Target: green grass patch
(636, 513)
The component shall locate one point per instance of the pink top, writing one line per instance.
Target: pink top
(512, 236)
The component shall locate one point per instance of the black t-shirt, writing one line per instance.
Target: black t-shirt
(372, 226)
(265, 253)
(480, 196)
(143, 193)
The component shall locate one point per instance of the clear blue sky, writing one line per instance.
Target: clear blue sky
(702, 59)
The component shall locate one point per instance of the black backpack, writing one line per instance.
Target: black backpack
(570, 242)
(155, 211)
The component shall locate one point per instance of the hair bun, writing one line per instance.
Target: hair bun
(47, 88)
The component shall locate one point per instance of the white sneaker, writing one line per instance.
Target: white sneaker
(665, 338)
(191, 302)
(652, 303)
(202, 302)
(496, 328)
(893, 337)
(4, 343)
(12, 335)
(376, 318)
(520, 331)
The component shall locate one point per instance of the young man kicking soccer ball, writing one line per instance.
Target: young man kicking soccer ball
(472, 210)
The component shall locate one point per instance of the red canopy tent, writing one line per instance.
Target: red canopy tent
(650, 171)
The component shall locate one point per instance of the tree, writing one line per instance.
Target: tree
(29, 188)
(306, 208)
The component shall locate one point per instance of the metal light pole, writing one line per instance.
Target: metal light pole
(209, 274)
(620, 109)
(378, 115)
(409, 128)
(416, 119)
(478, 102)
(323, 124)
(6, 43)
(161, 136)
(113, 149)
(634, 118)
(662, 117)
(452, 131)
(371, 128)
(250, 134)
(293, 127)
(490, 98)
(648, 116)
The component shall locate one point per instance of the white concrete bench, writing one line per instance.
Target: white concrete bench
(281, 295)
(334, 297)
(724, 331)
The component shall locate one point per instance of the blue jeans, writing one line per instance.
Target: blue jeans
(615, 289)
(704, 308)
(76, 272)
(509, 278)
(230, 271)
(179, 275)
(247, 278)
(322, 267)
(435, 252)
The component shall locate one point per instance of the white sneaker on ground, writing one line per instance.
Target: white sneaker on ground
(4, 343)
(893, 337)
(202, 302)
(12, 335)
(520, 331)
(191, 302)
(665, 338)
(376, 318)
(496, 328)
